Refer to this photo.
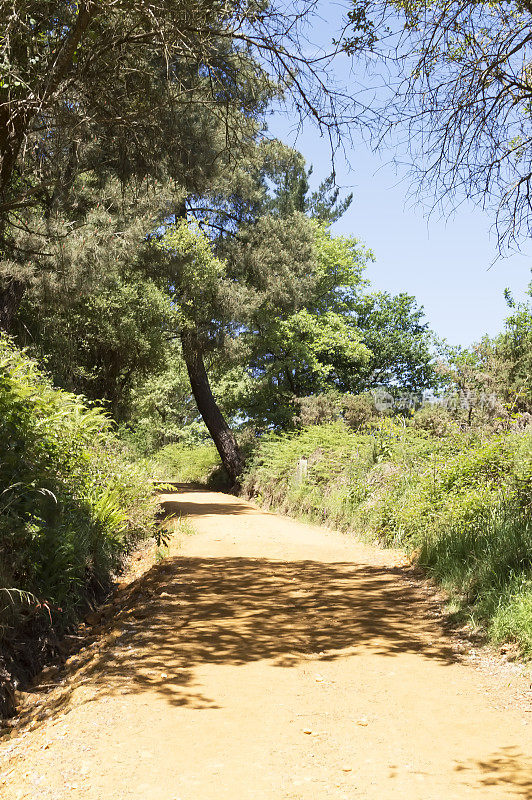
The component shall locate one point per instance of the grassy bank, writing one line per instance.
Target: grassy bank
(196, 464)
(71, 506)
(461, 502)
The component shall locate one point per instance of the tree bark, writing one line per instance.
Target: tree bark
(218, 428)
(11, 294)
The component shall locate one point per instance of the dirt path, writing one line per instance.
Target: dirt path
(274, 660)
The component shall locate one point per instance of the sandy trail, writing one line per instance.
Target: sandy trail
(275, 660)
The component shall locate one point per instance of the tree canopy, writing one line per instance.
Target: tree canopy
(151, 230)
(459, 96)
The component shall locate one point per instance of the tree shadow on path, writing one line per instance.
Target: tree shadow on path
(187, 611)
(508, 768)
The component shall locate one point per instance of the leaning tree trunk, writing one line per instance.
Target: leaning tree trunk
(218, 428)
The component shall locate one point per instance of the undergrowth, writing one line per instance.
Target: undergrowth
(461, 502)
(196, 464)
(71, 505)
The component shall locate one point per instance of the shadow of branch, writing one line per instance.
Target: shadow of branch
(185, 612)
(507, 768)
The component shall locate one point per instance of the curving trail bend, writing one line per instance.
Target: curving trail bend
(270, 659)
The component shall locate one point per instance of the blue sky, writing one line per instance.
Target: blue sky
(446, 262)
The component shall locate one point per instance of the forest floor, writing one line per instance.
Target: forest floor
(265, 658)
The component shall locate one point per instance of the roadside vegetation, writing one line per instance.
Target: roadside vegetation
(71, 507)
(198, 464)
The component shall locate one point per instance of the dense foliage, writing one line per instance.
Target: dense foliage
(199, 464)
(71, 505)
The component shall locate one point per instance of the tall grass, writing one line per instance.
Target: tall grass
(461, 502)
(71, 504)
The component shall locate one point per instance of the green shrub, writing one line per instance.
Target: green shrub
(71, 504)
(317, 409)
(358, 410)
(435, 419)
